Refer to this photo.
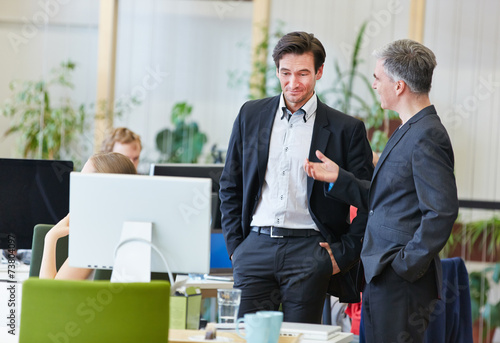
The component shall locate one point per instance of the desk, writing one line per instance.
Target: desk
(208, 287)
(21, 271)
(182, 336)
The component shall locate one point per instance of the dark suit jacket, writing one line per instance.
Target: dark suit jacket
(412, 200)
(339, 136)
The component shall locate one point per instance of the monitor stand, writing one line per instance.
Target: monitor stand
(133, 253)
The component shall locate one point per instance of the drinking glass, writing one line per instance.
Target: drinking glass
(229, 303)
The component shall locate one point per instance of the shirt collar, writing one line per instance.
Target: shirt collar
(307, 111)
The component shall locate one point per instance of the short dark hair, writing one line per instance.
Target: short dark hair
(409, 61)
(299, 43)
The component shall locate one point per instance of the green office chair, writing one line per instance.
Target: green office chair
(39, 233)
(99, 311)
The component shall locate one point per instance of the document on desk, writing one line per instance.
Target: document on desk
(309, 333)
(314, 332)
(340, 337)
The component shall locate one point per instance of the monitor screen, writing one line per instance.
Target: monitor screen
(219, 258)
(211, 171)
(31, 192)
(178, 208)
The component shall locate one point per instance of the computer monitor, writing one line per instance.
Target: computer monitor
(178, 208)
(219, 258)
(31, 192)
(211, 171)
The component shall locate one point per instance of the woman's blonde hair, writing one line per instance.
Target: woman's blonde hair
(112, 162)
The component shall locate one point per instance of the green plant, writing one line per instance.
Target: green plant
(479, 289)
(366, 109)
(482, 234)
(185, 142)
(48, 128)
(268, 84)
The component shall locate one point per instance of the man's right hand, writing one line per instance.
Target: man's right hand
(326, 170)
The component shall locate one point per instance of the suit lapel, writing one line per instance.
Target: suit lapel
(396, 136)
(267, 115)
(319, 140)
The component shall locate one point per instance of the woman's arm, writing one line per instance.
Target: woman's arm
(48, 269)
(72, 273)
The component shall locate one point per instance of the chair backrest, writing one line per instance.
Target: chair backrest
(451, 320)
(98, 311)
(39, 233)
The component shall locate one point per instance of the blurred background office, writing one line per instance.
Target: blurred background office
(177, 71)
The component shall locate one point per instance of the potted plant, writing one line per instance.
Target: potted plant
(475, 241)
(184, 143)
(262, 80)
(485, 315)
(379, 123)
(49, 128)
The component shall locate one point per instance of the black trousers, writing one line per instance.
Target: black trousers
(293, 271)
(396, 310)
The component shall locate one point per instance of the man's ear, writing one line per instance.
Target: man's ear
(319, 74)
(400, 87)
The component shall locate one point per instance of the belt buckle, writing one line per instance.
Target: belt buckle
(272, 235)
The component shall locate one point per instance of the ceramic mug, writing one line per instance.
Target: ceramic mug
(275, 320)
(257, 327)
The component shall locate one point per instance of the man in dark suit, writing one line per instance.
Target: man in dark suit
(285, 239)
(412, 199)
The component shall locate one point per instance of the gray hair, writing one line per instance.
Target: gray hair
(409, 61)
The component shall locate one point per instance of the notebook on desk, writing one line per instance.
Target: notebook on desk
(310, 331)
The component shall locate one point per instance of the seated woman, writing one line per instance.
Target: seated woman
(110, 162)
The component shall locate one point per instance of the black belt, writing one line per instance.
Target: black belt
(279, 232)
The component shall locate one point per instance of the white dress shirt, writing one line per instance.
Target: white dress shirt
(283, 201)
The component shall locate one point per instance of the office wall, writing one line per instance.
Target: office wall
(185, 50)
(189, 47)
(465, 36)
(36, 36)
